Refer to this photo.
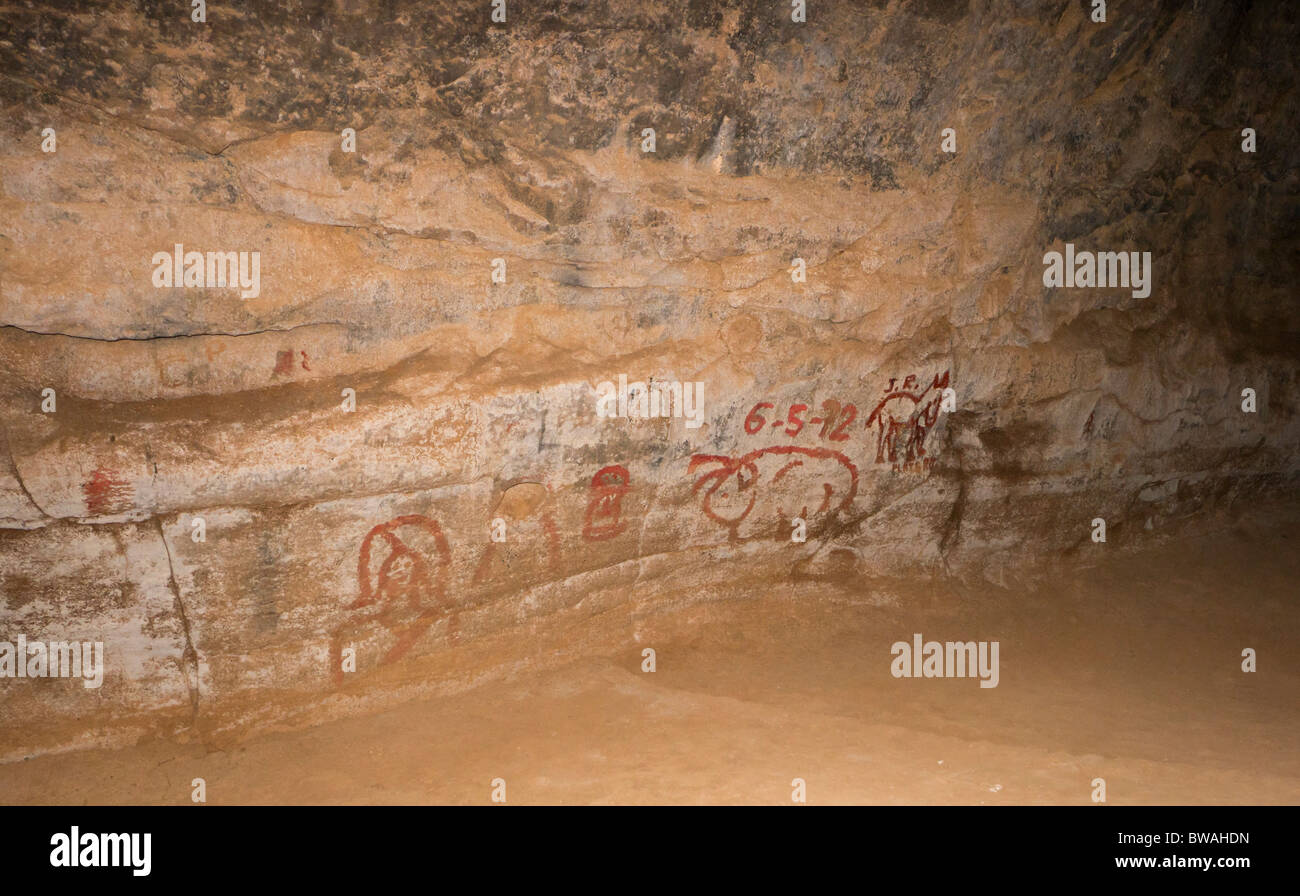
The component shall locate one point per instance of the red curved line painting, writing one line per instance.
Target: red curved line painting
(422, 584)
(747, 466)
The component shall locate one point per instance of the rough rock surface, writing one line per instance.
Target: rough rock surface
(475, 400)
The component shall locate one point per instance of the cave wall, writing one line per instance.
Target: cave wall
(475, 141)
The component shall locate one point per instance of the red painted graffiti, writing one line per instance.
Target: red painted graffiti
(834, 419)
(903, 418)
(402, 574)
(732, 486)
(284, 361)
(605, 503)
(105, 493)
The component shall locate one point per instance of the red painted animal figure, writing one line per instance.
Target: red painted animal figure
(403, 584)
(790, 481)
(903, 418)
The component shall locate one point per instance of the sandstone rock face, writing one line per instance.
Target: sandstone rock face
(422, 365)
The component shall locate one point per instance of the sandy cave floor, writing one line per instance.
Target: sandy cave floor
(1129, 670)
